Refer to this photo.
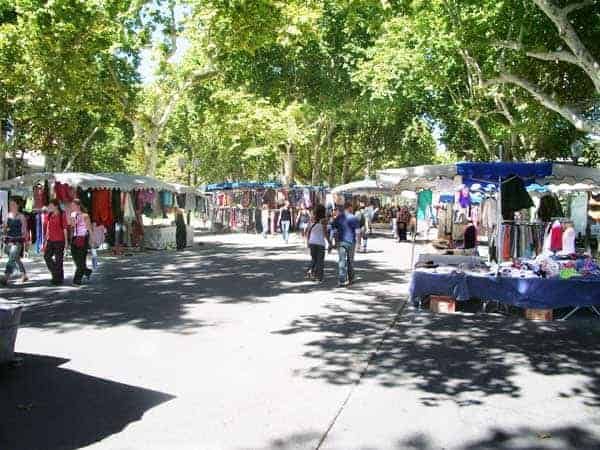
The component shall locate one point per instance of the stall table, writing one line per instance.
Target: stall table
(530, 293)
(10, 318)
(159, 237)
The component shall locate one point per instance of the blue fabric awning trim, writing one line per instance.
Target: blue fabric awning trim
(491, 171)
(256, 185)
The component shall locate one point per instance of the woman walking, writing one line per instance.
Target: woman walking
(15, 241)
(303, 221)
(285, 220)
(82, 230)
(317, 235)
(55, 233)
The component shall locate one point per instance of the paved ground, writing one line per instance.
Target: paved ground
(226, 347)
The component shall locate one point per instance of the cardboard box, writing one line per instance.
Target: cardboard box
(538, 314)
(442, 304)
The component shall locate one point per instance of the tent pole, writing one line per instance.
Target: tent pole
(499, 217)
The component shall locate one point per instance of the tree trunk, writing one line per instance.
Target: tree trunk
(2, 152)
(346, 176)
(318, 144)
(289, 164)
(331, 175)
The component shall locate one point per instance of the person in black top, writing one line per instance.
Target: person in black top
(285, 221)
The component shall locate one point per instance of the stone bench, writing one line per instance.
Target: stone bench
(10, 318)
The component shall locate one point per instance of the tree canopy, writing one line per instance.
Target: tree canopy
(310, 91)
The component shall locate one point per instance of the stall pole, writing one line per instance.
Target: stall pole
(499, 216)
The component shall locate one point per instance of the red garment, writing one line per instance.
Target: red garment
(64, 193)
(39, 197)
(102, 207)
(556, 237)
(55, 226)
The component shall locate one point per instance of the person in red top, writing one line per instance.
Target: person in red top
(55, 239)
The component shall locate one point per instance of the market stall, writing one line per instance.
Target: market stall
(123, 208)
(252, 206)
(538, 262)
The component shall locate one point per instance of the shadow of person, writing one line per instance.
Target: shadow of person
(45, 407)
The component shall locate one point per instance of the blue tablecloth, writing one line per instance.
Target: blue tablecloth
(535, 293)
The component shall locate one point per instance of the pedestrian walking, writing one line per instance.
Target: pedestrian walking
(80, 243)
(15, 241)
(56, 229)
(180, 230)
(285, 221)
(317, 235)
(346, 225)
(265, 220)
(303, 221)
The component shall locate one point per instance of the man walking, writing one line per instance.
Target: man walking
(346, 225)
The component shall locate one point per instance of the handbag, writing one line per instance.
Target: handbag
(79, 241)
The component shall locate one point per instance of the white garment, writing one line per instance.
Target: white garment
(4, 205)
(568, 241)
(317, 237)
(127, 205)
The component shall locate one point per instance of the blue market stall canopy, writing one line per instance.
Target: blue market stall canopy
(492, 171)
(256, 185)
(437, 177)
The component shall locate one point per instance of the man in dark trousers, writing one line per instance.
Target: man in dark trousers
(345, 225)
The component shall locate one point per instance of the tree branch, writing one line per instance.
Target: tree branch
(569, 35)
(575, 6)
(570, 113)
(544, 56)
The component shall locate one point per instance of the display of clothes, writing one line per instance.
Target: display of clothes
(517, 240)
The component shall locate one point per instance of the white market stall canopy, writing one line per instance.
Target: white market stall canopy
(415, 178)
(437, 177)
(364, 187)
(128, 182)
(120, 181)
(73, 179)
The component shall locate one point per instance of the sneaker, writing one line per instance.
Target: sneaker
(342, 284)
(24, 279)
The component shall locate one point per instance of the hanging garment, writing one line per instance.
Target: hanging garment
(3, 206)
(470, 237)
(117, 211)
(556, 237)
(63, 192)
(85, 197)
(102, 213)
(568, 240)
(424, 200)
(514, 197)
(166, 198)
(39, 197)
(127, 206)
(464, 198)
(549, 208)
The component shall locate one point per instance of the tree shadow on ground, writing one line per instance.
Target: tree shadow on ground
(523, 438)
(38, 410)
(157, 290)
(462, 358)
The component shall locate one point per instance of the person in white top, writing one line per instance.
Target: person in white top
(316, 238)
